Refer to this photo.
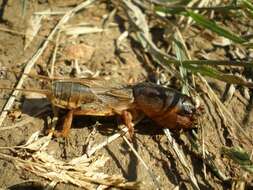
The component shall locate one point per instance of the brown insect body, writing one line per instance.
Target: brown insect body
(92, 96)
(167, 107)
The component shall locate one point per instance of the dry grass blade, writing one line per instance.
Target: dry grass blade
(36, 143)
(81, 171)
(54, 54)
(208, 159)
(83, 174)
(240, 156)
(229, 94)
(80, 30)
(106, 142)
(35, 57)
(50, 13)
(124, 130)
(180, 155)
(225, 114)
(33, 28)
(137, 18)
(143, 163)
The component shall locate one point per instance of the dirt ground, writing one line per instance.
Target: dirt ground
(102, 58)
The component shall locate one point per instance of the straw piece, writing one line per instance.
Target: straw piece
(150, 172)
(182, 159)
(106, 142)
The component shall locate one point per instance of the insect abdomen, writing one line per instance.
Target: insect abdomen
(71, 95)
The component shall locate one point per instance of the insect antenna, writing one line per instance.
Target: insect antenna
(37, 76)
(40, 91)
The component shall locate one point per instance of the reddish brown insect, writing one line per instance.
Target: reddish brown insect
(167, 107)
(97, 97)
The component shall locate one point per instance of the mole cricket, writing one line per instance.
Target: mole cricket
(98, 97)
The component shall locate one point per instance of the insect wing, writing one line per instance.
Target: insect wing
(117, 96)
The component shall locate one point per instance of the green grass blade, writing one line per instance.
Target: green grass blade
(178, 9)
(24, 6)
(169, 10)
(211, 72)
(240, 156)
(181, 55)
(208, 24)
(246, 64)
(248, 4)
(249, 7)
(165, 60)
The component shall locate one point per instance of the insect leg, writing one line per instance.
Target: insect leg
(53, 121)
(55, 117)
(127, 120)
(67, 124)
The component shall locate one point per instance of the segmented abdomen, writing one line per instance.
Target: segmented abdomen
(71, 95)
